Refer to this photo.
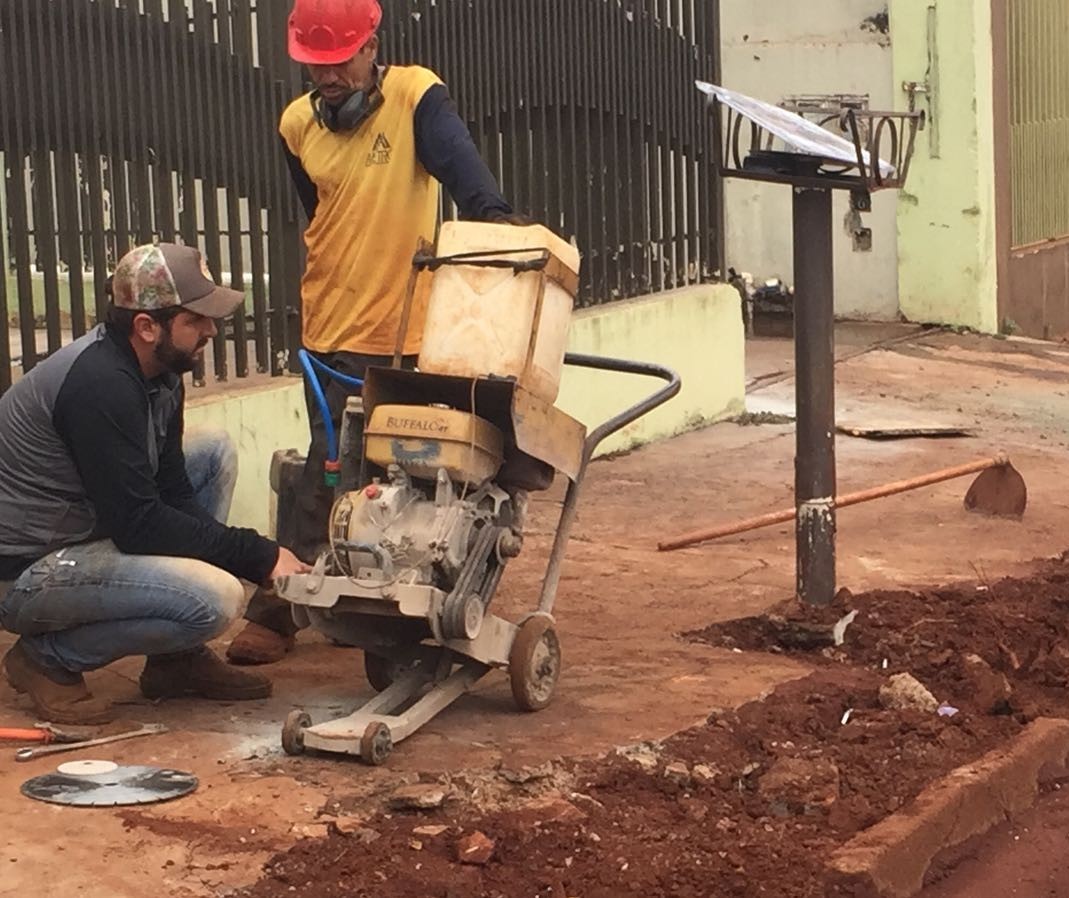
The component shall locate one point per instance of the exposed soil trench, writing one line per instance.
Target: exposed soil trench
(754, 801)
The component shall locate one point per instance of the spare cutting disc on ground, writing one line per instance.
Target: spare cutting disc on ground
(87, 768)
(122, 786)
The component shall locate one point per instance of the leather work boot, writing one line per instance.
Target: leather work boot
(58, 696)
(202, 674)
(257, 644)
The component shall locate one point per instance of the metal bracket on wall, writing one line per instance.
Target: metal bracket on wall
(929, 87)
(860, 235)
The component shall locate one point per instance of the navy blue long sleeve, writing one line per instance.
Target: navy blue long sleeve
(445, 148)
(102, 413)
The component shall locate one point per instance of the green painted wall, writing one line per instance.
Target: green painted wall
(697, 331)
(946, 220)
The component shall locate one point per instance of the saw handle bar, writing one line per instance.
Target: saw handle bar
(618, 422)
(672, 386)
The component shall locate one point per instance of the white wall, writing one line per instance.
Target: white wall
(778, 48)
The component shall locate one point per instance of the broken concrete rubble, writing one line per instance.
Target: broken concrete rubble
(985, 687)
(476, 848)
(418, 797)
(705, 774)
(904, 692)
(678, 772)
(645, 754)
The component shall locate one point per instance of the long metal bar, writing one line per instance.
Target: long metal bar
(585, 101)
(67, 184)
(44, 217)
(209, 80)
(11, 161)
(142, 93)
(292, 264)
(5, 343)
(160, 34)
(119, 108)
(234, 136)
(814, 346)
(773, 518)
(20, 91)
(44, 239)
(96, 148)
(257, 202)
(672, 386)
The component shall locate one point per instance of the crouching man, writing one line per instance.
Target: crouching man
(111, 525)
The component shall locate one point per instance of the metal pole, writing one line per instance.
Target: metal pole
(814, 346)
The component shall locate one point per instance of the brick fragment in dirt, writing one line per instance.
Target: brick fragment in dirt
(642, 833)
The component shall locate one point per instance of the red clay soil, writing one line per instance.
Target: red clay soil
(1024, 858)
(757, 825)
(753, 802)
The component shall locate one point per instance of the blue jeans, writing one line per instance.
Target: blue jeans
(84, 606)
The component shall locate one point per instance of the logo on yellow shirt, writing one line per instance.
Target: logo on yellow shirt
(380, 152)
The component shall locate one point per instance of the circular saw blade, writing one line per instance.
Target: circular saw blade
(122, 786)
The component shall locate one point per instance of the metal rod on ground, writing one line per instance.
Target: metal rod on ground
(878, 492)
(814, 347)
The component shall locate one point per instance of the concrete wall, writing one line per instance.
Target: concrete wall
(946, 219)
(779, 48)
(697, 331)
(260, 420)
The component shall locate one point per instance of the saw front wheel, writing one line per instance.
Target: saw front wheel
(293, 732)
(534, 664)
(376, 744)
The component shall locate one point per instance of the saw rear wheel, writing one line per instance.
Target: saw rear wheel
(293, 732)
(534, 664)
(376, 744)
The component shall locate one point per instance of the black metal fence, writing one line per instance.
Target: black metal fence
(124, 121)
(587, 111)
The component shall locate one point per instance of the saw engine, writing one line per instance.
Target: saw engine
(437, 519)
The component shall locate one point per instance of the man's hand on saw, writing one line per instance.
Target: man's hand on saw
(287, 564)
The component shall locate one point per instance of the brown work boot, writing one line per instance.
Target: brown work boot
(58, 696)
(200, 673)
(257, 644)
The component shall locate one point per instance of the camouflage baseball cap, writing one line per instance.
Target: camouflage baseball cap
(164, 275)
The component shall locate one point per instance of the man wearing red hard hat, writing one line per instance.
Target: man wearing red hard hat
(367, 148)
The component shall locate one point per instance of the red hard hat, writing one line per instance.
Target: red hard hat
(330, 32)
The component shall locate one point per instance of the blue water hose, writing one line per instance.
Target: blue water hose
(310, 364)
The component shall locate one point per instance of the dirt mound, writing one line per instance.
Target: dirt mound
(752, 802)
(987, 647)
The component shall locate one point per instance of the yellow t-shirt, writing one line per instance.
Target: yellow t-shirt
(377, 204)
